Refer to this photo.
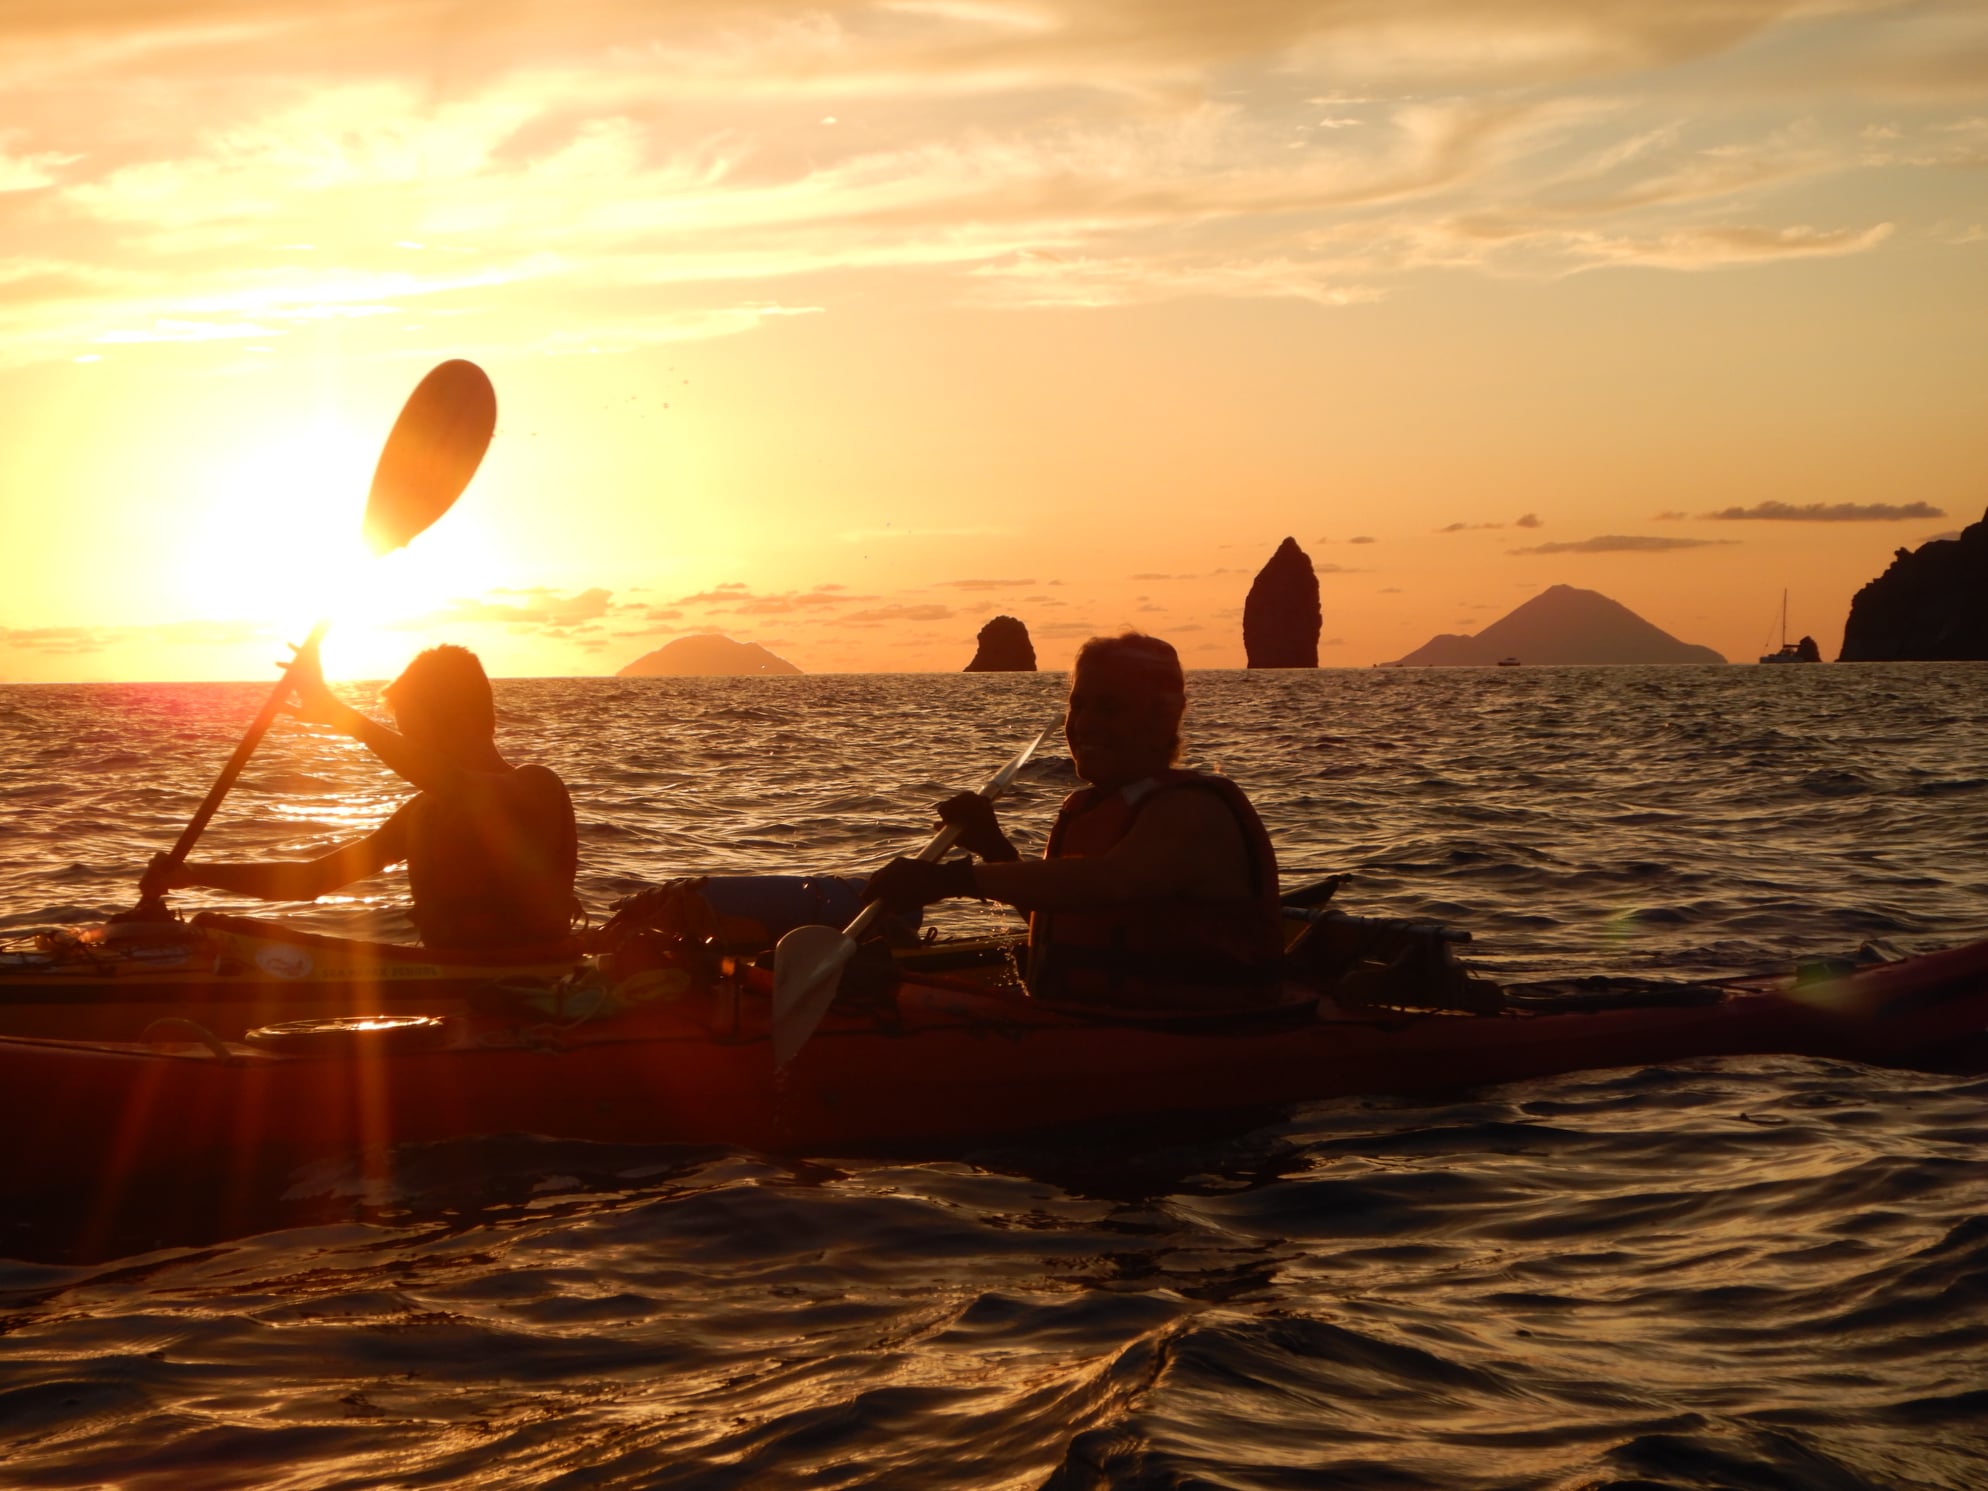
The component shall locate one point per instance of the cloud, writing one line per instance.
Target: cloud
(614, 175)
(1041, 278)
(536, 606)
(1671, 515)
(883, 614)
(1827, 512)
(739, 599)
(78, 641)
(1069, 629)
(1361, 539)
(981, 584)
(1528, 520)
(57, 641)
(1617, 543)
(1467, 527)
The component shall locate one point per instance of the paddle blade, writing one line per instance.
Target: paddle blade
(434, 450)
(807, 970)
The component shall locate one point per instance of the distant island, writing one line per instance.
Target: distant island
(1931, 605)
(1561, 625)
(707, 656)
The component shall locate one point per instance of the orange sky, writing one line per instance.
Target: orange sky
(845, 327)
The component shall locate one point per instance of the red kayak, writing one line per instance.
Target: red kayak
(915, 1056)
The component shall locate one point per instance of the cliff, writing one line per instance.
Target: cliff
(1281, 616)
(1562, 625)
(1003, 646)
(706, 656)
(1931, 605)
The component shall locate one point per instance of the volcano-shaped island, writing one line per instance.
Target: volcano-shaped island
(1561, 625)
(708, 655)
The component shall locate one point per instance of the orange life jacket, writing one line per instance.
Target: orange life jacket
(1175, 954)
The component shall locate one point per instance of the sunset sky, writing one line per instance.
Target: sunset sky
(845, 327)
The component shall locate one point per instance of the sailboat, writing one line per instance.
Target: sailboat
(1791, 652)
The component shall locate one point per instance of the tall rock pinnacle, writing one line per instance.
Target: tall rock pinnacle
(1281, 617)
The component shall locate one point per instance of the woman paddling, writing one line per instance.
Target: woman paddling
(490, 848)
(1158, 888)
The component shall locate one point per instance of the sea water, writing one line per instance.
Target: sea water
(1745, 1274)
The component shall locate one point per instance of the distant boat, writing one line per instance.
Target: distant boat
(1791, 652)
(1508, 662)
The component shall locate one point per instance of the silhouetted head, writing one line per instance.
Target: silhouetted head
(443, 697)
(1127, 696)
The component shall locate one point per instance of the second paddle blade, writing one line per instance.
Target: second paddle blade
(807, 970)
(435, 448)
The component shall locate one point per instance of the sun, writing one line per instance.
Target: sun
(273, 536)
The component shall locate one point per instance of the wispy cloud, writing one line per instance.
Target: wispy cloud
(79, 641)
(1827, 512)
(615, 174)
(533, 607)
(881, 614)
(1620, 543)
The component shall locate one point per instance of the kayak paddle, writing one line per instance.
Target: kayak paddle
(431, 453)
(808, 961)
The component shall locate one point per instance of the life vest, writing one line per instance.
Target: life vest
(1174, 954)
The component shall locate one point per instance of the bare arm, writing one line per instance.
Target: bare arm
(292, 880)
(429, 770)
(1184, 845)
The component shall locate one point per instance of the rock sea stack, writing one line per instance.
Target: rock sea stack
(1003, 646)
(1281, 616)
(1566, 626)
(1931, 605)
(707, 656)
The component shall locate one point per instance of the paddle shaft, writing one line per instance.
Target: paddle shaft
(947, 836)
(190, 835)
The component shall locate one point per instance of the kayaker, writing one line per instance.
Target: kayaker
(1158, 887)
(490, 848)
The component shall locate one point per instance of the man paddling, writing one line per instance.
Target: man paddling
(490, 848)
(1158, 888)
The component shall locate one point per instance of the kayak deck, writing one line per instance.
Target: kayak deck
(233, 973)
(936, 1058)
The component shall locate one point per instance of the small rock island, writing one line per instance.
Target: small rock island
(1931, 605)
(1003, 646)
(1281, 617)
(708, 655)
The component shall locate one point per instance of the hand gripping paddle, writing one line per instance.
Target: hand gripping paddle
(808, 961)
(431, 453)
